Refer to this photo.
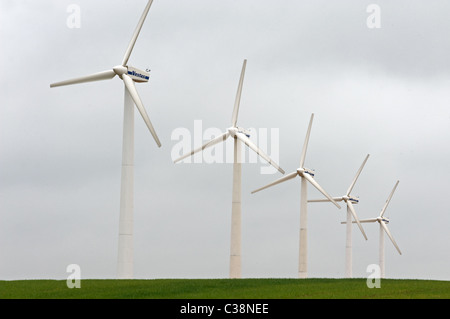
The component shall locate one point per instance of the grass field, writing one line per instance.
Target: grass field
(226, 289)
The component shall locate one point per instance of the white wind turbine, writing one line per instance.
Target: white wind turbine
(306, 175)
(239, 135)
(383, 221)
(350, 201)
(129, 75)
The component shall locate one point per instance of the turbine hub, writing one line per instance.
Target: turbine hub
(233, 131)
(120, 70)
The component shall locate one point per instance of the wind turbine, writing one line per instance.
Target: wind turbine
(383, 221)
(350, 201)
(306, 176)
(129, 76)
(239, 135)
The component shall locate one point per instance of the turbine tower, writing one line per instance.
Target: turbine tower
(239, 135)
(306, 175)
(350, 201)
(129, 76)
(383, 221)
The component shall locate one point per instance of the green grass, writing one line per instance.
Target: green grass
(225, 289)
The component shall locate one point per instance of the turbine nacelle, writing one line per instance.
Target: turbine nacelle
(244, 131)
(383, 219)
(138, 75)
(135, 74)
(234, 130)
(309, 171)
(352, 199)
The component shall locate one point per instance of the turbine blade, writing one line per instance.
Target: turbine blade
(258, 151)
(368, 220)
(212, 142)
(389, 199)
(100, 76)
(352, 210)
(305, 145)
(357, 175)
(238, 96)
(323, 200)
(136, 34)
(129, 84)
(382, 223)
(316, 185)
(278, 181)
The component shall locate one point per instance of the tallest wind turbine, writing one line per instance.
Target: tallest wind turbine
(129, 76)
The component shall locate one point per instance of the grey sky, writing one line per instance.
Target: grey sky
(379, 91)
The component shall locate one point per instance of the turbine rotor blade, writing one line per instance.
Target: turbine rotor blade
(319, 188)
(258, 151)
(390, 236)
(100, 76)
(212, 142)
(389, 199)
(323, 200)
(278, 181)
(305, 145)
(136, 33)
(234, 117)
(129, 84)
(352, 210)
(369, 220)
(357, 175)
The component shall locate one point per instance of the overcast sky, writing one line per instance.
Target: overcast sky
(379, 91)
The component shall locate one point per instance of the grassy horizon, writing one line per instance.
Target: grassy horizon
(226, 289)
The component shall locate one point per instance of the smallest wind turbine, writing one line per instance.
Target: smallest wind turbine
(383, 221)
